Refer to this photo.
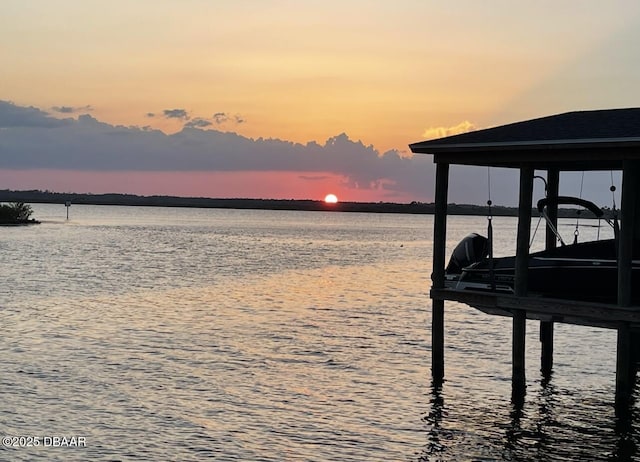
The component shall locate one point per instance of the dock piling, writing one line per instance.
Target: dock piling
(546, 348)
(518, 377)
(625, 367)
(551, 241)
(437, 276)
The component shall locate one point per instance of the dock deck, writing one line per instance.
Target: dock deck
(607, 315)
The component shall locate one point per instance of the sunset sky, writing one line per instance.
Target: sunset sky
(291, 99)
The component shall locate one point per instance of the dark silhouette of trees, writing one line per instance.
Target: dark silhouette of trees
(17, 212)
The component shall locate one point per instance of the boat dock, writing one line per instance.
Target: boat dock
(602, 140)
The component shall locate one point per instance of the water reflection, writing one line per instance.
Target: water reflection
(433, 419)
(546, 421)
(551, 424)
(625, 429)
(514, 432)
(521, 443)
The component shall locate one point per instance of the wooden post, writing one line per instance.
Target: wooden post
(437, 276)
(546, 327)
(524, 230)
(553, 185)
(546, 348)
(630, 178)
(518, 379)
(437, 342)
(625, 369)
(635, 347)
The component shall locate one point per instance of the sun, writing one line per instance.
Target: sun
(331, 199)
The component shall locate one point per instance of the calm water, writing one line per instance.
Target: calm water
(188, 334)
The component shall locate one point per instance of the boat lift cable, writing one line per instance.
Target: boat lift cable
(614, 210)
(576, 233)
(535, 231)
(612, 188)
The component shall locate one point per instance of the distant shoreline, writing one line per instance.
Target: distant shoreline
(48, 197)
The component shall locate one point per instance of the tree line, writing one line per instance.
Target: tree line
(414, 207)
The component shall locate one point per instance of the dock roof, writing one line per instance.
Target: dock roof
(579, 140)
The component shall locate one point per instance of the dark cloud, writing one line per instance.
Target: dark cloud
(176, 114)
(220, 117)
(198, 122)
(63, 109)
(12, 116)
(150, 114)
(90, 145)
(86, 144)
(71, 109)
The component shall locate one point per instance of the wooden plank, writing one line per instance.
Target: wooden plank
(606, 314)
(601, 157)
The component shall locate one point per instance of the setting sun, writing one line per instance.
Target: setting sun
(331, 199)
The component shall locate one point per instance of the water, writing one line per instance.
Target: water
(190, 334)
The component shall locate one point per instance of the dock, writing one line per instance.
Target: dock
(600, 140)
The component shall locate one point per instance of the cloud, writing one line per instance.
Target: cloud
(440, 132)
(87, 144)
(198, 122)
(220, 117)
(176, 114)
(32, 140)
(63, 109)
(13, 116)
(150, 114)
(71, 109)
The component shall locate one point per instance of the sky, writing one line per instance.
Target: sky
(294, 99)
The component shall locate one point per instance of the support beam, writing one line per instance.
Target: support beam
(625, 367)
(635, 347)
(518, 378)
(546, 348)
(440, 225)
(553, 186)
(437, 276)
(546, 327)
(437, 342)
(630, 178)
(524, 230)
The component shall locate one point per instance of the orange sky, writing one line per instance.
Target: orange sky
(385, 73)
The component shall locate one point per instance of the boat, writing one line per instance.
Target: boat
(585, 271)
